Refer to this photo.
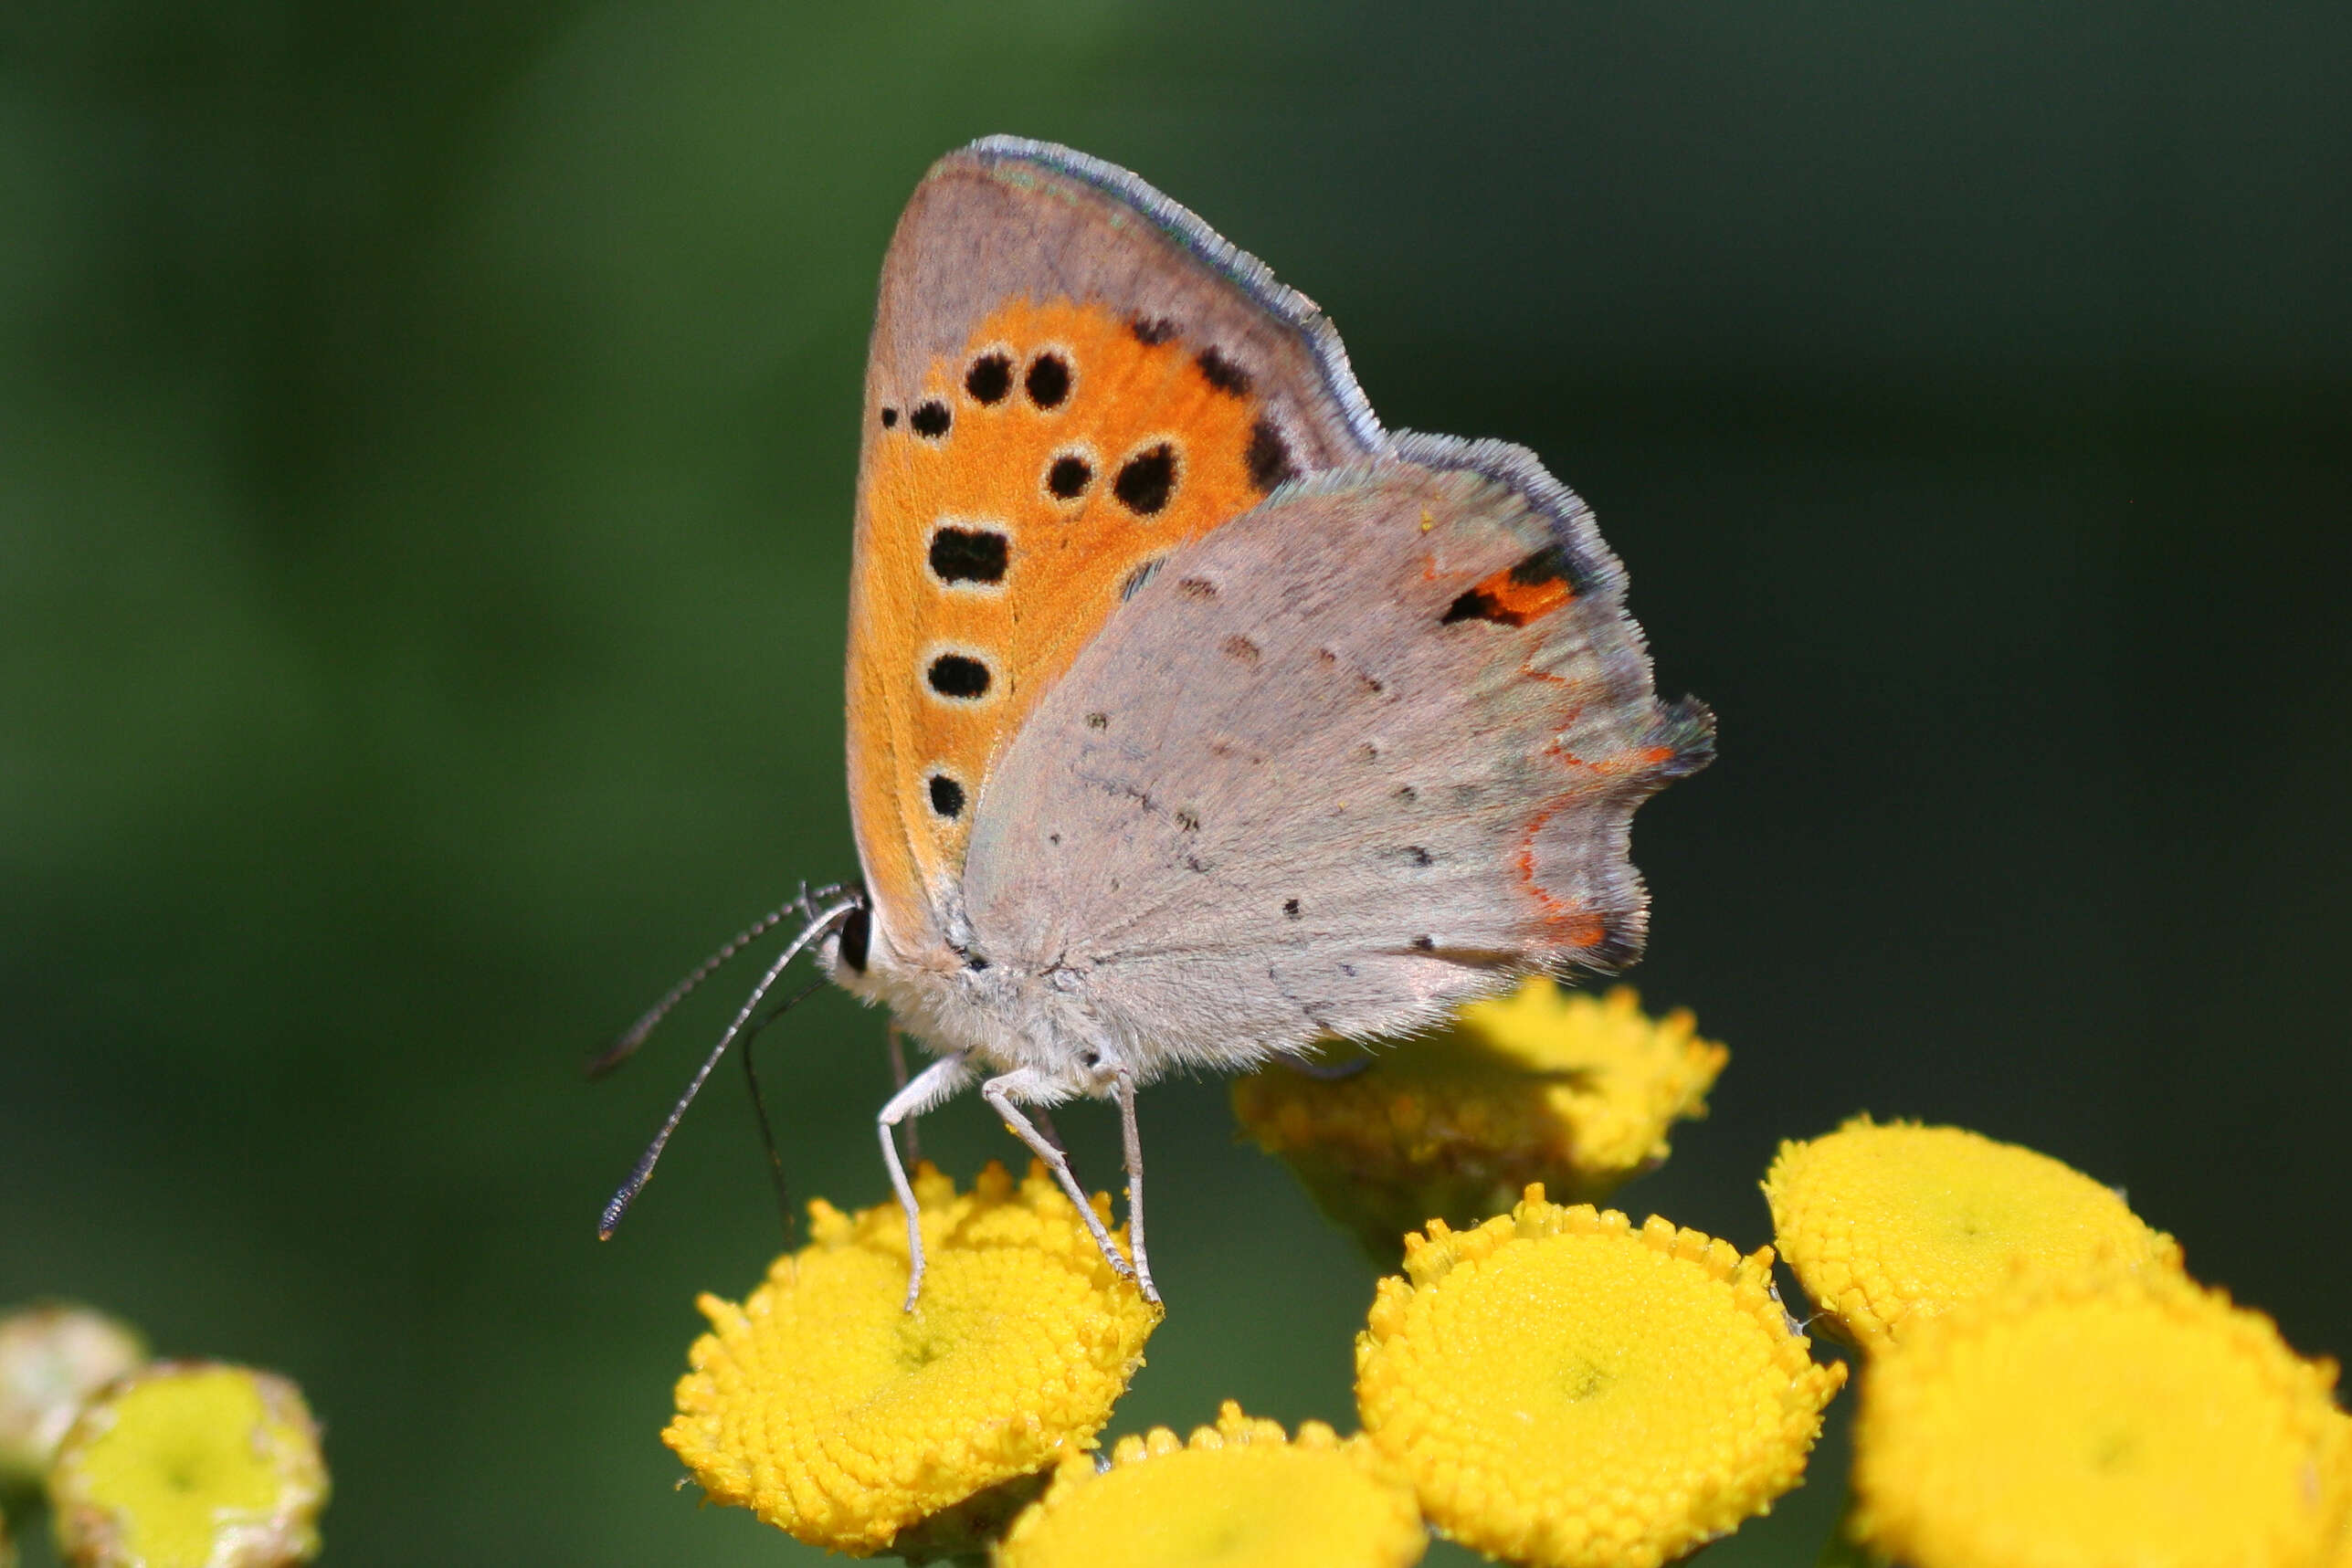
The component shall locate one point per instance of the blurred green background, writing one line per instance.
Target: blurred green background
(427, 434)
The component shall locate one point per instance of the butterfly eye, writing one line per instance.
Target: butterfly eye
(990, 377)
(1048, 381)
(857, 935)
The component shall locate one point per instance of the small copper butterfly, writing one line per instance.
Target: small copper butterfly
(1193, 717)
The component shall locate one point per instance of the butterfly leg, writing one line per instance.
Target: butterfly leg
(999, 1092)
(897, 1037)
(1133, 1145)
(932, 1086)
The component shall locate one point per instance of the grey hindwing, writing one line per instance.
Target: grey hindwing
(1361, 754)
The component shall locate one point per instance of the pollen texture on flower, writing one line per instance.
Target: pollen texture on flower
(1565, 1389)
(832, 1412)
(2099, 1417)
(1889, 1223)
(1542, 1085)
(1240, 1494)
(190, 1465)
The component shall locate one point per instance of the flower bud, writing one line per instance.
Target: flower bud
(53, 1356)
(190, 1465)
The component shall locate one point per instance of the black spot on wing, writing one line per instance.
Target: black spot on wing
(932, 419)
(1291, 908)
(954, 675)
(990, 377)
(1222, 374)
(969, 554)
(1048, 381)
(1151, 330)
(1536, 585)
(1068, 478)
(890, 418)
(1477, 605)
(1146, 481)
(946, 797)
(1269, 457)
(1550, 564)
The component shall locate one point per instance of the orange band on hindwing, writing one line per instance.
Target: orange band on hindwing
(1005, 513)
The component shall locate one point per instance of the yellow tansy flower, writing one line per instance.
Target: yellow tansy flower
(52, 1357)
(1542, 1085)
(190, 1465)
(1884, 1221)
(1565, 1389)
(2342, 1558)
(836, 1415)
(2097, 1417)
(1240, 1494)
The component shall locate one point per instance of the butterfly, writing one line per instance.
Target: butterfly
(1193, 717)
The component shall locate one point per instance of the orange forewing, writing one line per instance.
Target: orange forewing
(1002, 470)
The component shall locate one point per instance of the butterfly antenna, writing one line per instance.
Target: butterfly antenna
(621, 1049)
(819, 925)
(759, 1104)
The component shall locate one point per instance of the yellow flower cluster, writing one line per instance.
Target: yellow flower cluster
(834, 1412)
(1542, 1085)
(1889, 1223)
(1566, 1389)
(2045, 1387)
(1241, 1493)
(2042, 1385)
(1556, 1385)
